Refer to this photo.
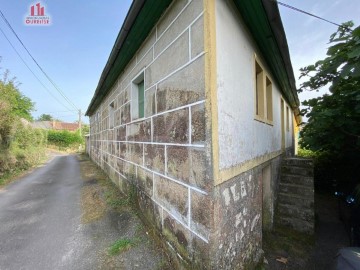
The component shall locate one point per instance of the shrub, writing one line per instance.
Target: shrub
(26, 148)
(64, 138)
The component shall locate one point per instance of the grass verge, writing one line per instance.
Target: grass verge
(20, 171)
(122, 245)
(98, 192)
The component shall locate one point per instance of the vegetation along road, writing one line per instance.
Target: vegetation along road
(58, 217)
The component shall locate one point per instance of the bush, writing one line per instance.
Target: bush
(26, 149)
(64, 138)
(305, 153)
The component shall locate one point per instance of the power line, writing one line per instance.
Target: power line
(32, 71)
(42, 70)
(67, 115)
(310, 14)
(61, 111)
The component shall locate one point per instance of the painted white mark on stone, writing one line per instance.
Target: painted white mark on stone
(238, 219)
(241, 235)
(243, 189)
(245, 223)
(233, 191)
(236, 237)
(226, 195)
(221, 245)
(254, 222)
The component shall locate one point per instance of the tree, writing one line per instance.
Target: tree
(13, 105)
(334, 119)
(21, 105)
(45, 117)
(6, 122)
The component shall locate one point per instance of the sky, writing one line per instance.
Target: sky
(74, 48)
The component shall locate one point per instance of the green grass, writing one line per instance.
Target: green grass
(113, 196)
(8, 177)
(121, 245)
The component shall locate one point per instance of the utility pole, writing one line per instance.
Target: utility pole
(80, 121)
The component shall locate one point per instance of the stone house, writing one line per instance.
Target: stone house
(195, 108)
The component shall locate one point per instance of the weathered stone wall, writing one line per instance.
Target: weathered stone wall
(295, 208)
(163, 154)
(239, 219)
(166, 155)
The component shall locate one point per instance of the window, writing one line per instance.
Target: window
(138, 97)
(269, 103)
(263, 96)
(141, 98)
(259, 91)
(111, 115)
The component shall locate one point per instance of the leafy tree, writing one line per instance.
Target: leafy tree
(21, 105)
(45, 117)
(85, 129)
(20, 145)
(6, 122)
(334, 119)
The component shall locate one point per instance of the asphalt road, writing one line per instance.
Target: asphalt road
(40, 226)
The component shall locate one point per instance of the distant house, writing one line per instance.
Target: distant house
(195, 108)
(55, 125)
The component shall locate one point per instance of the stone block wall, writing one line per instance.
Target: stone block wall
(166, 155)
(163, 154)
(295, 208)
(239, 216)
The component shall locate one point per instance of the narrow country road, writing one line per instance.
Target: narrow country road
(40, 226)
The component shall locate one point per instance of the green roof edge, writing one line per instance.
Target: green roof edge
(262, 17)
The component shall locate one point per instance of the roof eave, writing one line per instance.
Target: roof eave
(277, 27)
(141, 17)
(262, 18)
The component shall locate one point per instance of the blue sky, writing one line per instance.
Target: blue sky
(74, 49)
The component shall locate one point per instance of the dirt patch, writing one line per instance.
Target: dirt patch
(93, 207)
(287, 249)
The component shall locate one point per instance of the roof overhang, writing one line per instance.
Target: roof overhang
(141, 18)
(262, 17)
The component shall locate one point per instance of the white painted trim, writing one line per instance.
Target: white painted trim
(186, 226)
(157, 114)
(153, 188)
(173, 21)
(189, 205)
(157, 173)
(190, 42)
(143, 147)
(156, 143)
(160, 53)
(190, 126)
(166, 161)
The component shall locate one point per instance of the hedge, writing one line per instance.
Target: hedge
(64, 138)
